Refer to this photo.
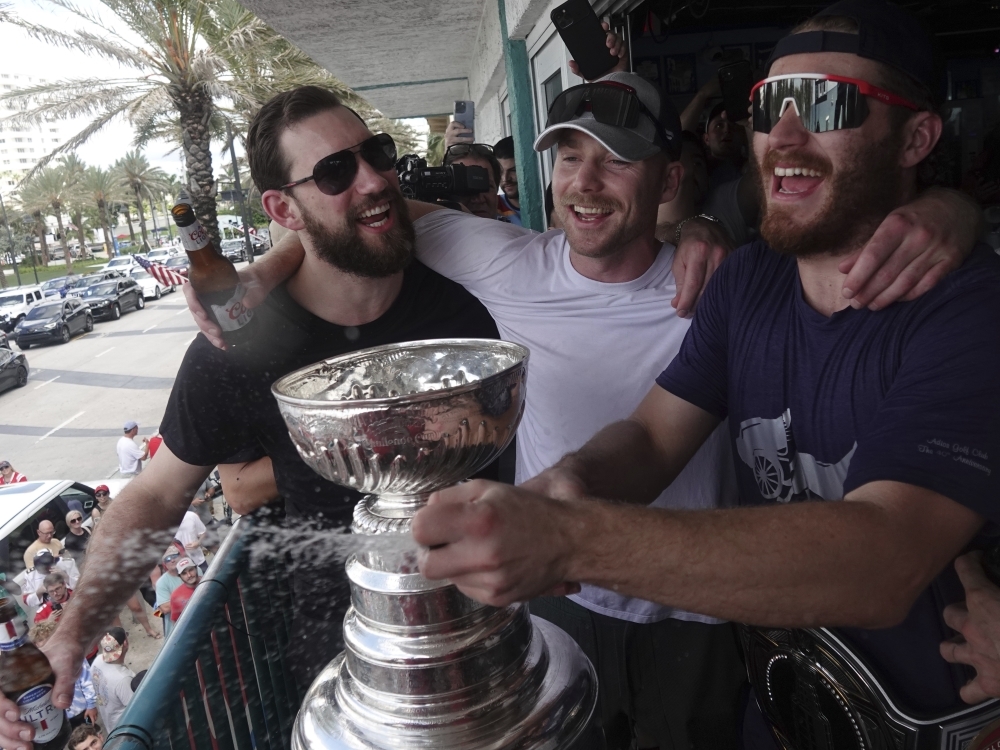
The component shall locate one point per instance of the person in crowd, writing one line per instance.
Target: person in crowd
(166, 584)
(508, 207)
(131, 456)
(32, 580)
(86, 737)
(690, 194)
(103, 496)
(84, 706)
(189, 574)
(56, 595)
(190, 533)
(112, 679)
(75, 542)
(45, 541)
(482, 204)
(700, 703)
(167, 484)
(890, 416)
(8, 475)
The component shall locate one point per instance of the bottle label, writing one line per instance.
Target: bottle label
(233, 315)
(13, 634)
(193, 237)
(37, 709)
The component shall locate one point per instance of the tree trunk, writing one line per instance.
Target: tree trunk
(40, 228)
(3, 275)
(62, 238)
(109, 240)
(80, 234)
(195, 108)
(142, 218)
(128, 218)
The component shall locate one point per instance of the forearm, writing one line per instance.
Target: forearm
(846, 563)
(130, 539)
(249, 486)
(620, 463)
(277, 264)
(968, 214)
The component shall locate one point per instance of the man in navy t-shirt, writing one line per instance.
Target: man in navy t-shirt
(895, 414)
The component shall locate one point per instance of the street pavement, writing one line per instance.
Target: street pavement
(65, 422)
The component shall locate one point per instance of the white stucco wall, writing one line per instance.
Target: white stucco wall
(489, 125)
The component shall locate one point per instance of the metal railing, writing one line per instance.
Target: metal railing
(221, 681)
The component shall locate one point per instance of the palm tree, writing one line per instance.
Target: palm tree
(49, 189)
(191, 56)
(35, 205)
(137, 175)
(102, 188)
(75, 170)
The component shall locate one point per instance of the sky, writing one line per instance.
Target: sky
(27, 56)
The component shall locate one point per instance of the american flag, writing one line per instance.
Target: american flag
(161, 273)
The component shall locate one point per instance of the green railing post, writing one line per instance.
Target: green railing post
(529, 179)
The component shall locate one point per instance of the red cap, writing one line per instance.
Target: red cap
(102, 488)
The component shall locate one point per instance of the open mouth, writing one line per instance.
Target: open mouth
(589, 214)
(375, 217)
(795, 182)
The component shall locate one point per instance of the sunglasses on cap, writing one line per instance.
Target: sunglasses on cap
(335, 173)
(460, 150)
(4, 465)
(610, 102)
(822, 102)
(171, 558)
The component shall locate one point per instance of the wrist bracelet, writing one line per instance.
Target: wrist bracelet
(680, 226)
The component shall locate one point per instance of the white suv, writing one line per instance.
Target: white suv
(123, 263)
(15, 303)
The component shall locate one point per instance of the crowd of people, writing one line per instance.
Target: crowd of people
(105, 684)
(794, 435)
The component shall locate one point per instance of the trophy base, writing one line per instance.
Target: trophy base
(546, 704)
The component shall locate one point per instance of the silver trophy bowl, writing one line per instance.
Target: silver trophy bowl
(424, 665)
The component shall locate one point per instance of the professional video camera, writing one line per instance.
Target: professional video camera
(437, 184)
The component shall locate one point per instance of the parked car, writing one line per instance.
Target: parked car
(54, 321)
(82, 283)
(110, 299)
(13, 369)
(4, 341)
(15, 303)
(151, 288)
(122, 263)
(24, 505)
(235, 250)
(57, 287)
(161, 254)
(180, 264)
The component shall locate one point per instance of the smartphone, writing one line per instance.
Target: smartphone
(736, 80)
(465, 115)
(584, 37)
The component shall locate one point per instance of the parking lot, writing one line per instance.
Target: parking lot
(65, 422)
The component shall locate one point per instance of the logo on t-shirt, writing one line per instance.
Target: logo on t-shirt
(783, 474)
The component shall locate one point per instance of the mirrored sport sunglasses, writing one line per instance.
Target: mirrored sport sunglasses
(610, 102)
(460, 150)
(335, 173)
(822, 102)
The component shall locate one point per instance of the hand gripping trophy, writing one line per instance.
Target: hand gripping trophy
(424, 665)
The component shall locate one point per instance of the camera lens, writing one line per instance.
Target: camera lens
(459, 108)
(564, 21)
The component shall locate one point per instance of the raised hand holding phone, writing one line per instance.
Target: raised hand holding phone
(582, 33)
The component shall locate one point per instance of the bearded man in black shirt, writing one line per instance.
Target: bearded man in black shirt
(323, 174)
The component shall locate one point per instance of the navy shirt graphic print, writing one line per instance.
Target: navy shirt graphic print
(819, 406)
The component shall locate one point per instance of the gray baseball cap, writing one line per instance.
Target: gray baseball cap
(629, 144)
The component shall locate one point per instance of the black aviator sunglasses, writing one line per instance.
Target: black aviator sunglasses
(335, 173)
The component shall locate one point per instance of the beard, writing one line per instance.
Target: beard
(621, 234)
(859, 196)
(376, 257)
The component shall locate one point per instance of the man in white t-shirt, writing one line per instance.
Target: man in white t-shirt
(112, 679)
(130, 455)
(593, 305)
(190, 534)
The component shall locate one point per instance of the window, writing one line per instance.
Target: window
(29, 140)
(20, 150)
(31, 150)
(23, 161)
(552, 88)
(53, 130)
(3, 140)
(18, 140)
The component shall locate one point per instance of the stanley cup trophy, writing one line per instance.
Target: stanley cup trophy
(424, 665)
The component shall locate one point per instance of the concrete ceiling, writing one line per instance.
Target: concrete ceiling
(409, 58)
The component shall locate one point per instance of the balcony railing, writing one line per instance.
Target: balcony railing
(221, 680)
